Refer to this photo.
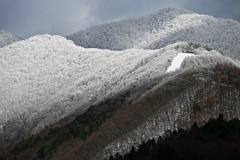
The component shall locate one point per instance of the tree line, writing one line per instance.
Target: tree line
(217, 139)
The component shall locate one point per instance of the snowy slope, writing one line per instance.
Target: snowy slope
(45, 78)
(7, 38)
(161, 29)
(177, 61)
(124, 34)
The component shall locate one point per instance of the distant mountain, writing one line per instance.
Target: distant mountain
(7, 38)
(162, 28)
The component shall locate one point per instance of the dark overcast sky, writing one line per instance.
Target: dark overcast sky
(27, 18)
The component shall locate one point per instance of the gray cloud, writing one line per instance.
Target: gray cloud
(26, 18)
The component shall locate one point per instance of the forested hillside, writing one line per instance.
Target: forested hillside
(114, 126)
(46, 78)
(217, 139)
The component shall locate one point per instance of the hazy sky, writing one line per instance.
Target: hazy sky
(27, 18)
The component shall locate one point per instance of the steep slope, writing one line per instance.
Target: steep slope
(177, 100)
(7, 38)
(194, 95)
(217, 139)
(46, 78)
(161, 29)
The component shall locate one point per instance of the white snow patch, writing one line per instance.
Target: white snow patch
(177, 61)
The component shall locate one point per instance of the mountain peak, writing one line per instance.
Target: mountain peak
(7, 38)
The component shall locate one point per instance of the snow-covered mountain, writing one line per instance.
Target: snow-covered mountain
(46, 78)
(161, 29)
(7, 38)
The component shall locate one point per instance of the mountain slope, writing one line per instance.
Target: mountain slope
(162, 28)
(46, 78)
(7, 38)
(217, 139)
(169, 106)
(123, 34)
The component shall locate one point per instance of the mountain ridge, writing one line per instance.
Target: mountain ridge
(106, 30)
(162, 28)
(45, 78)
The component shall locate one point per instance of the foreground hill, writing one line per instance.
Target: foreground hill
(202, 90)
(7, 38)
(46, 78)
(178, 101)
(161, 29)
